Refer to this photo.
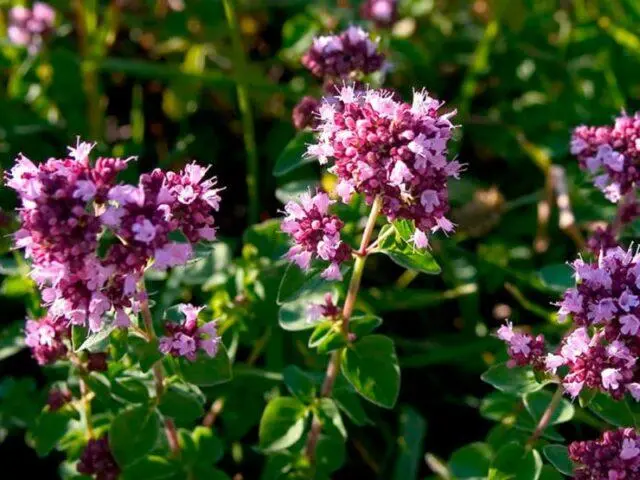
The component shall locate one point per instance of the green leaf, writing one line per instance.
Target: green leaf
(96, 341)
(558, 277)
(410, 445)
(498, 405)
(349, 402)
(518, 380)
(293, 156)
(471, 461)
(282, 423)
(295, 282)
(210, 448)
(406, 255)
(326, 337)
(371, 366)
(146, 353)
(293, 316)
(515, 462)
(153, 468)
(134, 432)
(549, 473)
(48, 430)
(11, 339)
(130, 389)
(300, 384)
(558, 456)
(205, 370)
(614, 412)
(182, 404)
(292, 190)
(330, 418)
(78, 336)
(330, 456)
(362, 325)
(537, 403)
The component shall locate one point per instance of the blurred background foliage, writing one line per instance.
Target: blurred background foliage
(164, 80)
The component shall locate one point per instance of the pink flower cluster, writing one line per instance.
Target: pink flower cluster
(316, 234)
(615, 456)
(342, 55)
(524, 349)
(70, 206)
(45, 338)
(387, 148)
(97, 460)
(27, 27)
(381, 12)
(602, 352)
(187, 338)
(611, 154)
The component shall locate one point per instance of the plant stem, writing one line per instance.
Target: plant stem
(352, 294)
(546, 416)
(86, 405)
(240, 62)
(158, 374)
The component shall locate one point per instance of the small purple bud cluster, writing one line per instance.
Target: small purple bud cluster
(316, 234)
(70, 205)
(328, 309)
(45, 338)
(383, 147)
(58, 398)
(340, 56)
(615, 456)
(611, 154)
(305, 113)
(383, 13)
(28, 27)
(186, 339)
(524, 349)
(97, 460)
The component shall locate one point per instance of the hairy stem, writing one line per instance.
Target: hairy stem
(352, 294)
(158, 374)
(546, 416)
(240, 63)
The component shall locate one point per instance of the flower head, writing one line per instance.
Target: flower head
(380, 146)
(611, 154)
(341, 55)
(614, 456)
(185, 339)
(28, 27)
(382, 12)
(523, 348)
(315, 234)
(45, 338)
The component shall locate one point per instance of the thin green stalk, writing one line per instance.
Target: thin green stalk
(352, 294)
(240, 63)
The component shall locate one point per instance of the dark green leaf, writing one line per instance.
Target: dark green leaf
(515, 462)
(408, 256)
(294, 317)
(181, 403)
(537, 403)
(207, 371)
(518, 380)
(330, 455)
(471, 461)
(49, 428)
(293, 156)
(282, 423)
(558, 456)
(362, 325)
(295, 282)
(300, 384)
(11, 339)
(97, 341)
(558, 277)
(134, 432)
(371, 366)
(410, 445)
(612, 411)
(349, 402)
(326, 337)
(153, 468)
(330, 418)
(210, 448)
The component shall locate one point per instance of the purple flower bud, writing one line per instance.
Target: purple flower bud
(58, 398)
(304, 113)
(97, 460)
(382, 12)
(344, 54)
(615, 456)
